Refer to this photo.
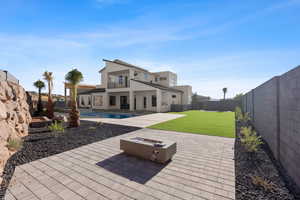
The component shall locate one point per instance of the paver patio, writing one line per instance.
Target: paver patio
(203, 168)
(139, 121)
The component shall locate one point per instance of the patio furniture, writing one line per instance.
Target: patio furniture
(155, 150)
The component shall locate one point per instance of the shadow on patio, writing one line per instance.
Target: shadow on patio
(132, 168)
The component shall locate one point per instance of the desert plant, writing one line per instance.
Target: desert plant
(224, 92)
(245, 118)
(14, 144)
(263, 183)
(250, 140)
(40, 85)
(238, 113)
(74, 77)
(48, 76)
(56, 127)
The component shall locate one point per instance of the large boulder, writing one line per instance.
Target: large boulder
(14, 117)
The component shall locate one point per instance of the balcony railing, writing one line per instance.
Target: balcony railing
(112, 85)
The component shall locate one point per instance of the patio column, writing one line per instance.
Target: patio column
(158, 100)
(106, 101)
(131, 100)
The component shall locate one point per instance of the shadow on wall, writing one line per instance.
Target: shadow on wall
(132, 168)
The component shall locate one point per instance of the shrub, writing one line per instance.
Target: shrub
(56, 127)
(250, 140)
(245, 118)
(238, 113)
(14, 144)
(261, 182)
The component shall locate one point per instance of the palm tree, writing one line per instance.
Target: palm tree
(49, 78)
(224, 91)
(74, 77)
(40, 85)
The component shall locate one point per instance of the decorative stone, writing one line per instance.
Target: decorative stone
(3, 113)
(14, 117)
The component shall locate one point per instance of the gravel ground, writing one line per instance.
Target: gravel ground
(41, 143)
(262, 165)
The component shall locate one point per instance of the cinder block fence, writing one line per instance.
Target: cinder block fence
(274, 108)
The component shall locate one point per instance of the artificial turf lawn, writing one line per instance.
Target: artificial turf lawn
(201, 122)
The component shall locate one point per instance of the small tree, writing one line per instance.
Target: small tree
(224, 92)
(74, 77)
(250, 140)
(48, 76)
(40, 85)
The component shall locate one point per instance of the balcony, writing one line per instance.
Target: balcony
(112, 85)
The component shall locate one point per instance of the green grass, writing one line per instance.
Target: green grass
(201, 122)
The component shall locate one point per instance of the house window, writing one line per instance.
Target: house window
(146, 76)
(173, 96)
(163, 78)
(121, 80)
(153, 101)
(145, 102)
(112, 100)
(156, 79)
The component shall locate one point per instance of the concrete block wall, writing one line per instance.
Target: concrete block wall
(275, 110)
(264, 114)
(289, 97)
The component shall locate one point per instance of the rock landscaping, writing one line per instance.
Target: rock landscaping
(14, 118)
(42, 143)
(257, 176)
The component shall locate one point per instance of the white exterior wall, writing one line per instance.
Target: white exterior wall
(170, 76)
(104, 100)
(140, 100)
(187, 93)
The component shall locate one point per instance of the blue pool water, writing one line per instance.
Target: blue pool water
(107, 115)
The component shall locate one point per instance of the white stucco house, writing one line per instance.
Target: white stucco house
(126, 86)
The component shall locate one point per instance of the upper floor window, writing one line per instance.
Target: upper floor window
(121, 80)
(146, 76)
(163, 78)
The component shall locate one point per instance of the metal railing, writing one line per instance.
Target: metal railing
(6, 76)
(111, 85)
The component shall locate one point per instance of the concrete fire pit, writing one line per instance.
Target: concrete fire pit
(155, 150)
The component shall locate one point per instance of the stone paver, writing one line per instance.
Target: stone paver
(139, 121)
(203, 168)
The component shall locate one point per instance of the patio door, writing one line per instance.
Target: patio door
(124, 102)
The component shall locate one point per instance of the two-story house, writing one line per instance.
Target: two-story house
(126, 86)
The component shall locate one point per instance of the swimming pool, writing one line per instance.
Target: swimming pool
(107, 115)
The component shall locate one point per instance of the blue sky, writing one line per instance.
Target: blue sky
(210, 44)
